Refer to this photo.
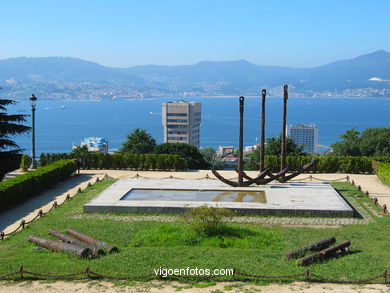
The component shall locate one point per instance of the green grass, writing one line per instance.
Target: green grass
(147, 245)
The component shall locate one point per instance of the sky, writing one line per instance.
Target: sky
(123, 33)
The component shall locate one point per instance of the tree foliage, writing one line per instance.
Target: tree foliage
(371, 142)
(208, 155)
(10, 125)
(139, 142)
(272, 147)
(191, 153)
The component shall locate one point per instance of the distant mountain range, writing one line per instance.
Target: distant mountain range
(71, 78)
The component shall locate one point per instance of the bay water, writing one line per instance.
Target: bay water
(59, 124)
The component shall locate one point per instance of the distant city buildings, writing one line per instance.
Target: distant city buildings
(305, 135)
(224, 150)
(181, 121)
(250, 148)
(95, 144)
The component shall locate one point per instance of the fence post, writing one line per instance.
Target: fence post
(21, 271)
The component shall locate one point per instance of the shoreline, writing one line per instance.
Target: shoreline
(209, 97)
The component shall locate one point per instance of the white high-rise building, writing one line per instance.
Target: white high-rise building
(305, 135)
(181, 121)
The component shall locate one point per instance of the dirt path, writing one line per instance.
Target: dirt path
(10, 220)
(158, 286)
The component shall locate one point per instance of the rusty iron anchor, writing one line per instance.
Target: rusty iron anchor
(240, 182)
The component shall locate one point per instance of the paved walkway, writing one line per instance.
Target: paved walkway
(10, 220)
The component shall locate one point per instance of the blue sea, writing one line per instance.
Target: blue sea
(59, 124)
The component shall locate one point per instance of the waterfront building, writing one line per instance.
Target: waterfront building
(250, 148)
(305, 135)
(224, 150)
(181, 121)
(95, 144)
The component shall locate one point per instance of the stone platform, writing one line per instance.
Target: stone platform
(298, 198)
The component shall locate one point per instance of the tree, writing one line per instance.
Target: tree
(350, 144)
(139, 142)
(375, 142)
(191, 153)
(273, 147)
(208, 155)
(10, 125)
(79, 151)
(371, 142)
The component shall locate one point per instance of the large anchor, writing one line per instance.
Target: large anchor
(260, 179)
(241, 182)
(263, 171)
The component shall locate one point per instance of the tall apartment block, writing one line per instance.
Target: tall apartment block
(305, 135)
(181, 121)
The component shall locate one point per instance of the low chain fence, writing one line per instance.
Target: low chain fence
(307, 275)
(41, 213)
(207, 176)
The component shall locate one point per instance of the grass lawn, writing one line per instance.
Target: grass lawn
(147, 245)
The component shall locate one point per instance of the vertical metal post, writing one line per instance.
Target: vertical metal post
(33, 161)
(262, 137)
(241, 143)
(283, 139)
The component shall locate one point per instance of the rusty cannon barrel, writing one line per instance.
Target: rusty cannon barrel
(65, 238)
(323, 253)
(83, 252)
(317, 246)
(92, 241)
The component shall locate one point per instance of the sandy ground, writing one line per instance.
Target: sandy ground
(11, 219)
(158, 286)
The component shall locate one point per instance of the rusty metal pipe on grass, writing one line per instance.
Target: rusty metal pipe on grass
(92, 241)
(82, 252)
(65, 238)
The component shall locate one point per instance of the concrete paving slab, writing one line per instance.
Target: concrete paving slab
(298, 198)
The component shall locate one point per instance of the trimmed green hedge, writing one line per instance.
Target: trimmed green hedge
(326, 164)
(383, 171)
(96, 160)
(9, 163)
(23, 187)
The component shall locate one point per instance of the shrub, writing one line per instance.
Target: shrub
(26, 186)
(9, 162)
(95, 160)
(325, 164)
(383, 172)
(207, 220)
(25, 163)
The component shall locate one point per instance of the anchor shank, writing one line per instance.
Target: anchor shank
(262, 137)
(241, 143)
(283, 139)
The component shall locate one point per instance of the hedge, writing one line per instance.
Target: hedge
(383, 171)
(96, 160)
(21, 188)
(326, 164)
(9, 163)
